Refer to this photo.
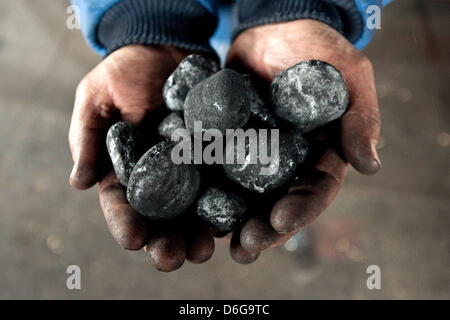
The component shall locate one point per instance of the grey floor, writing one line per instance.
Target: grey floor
(398, 220)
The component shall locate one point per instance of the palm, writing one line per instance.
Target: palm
(268, 50)
(127, 85)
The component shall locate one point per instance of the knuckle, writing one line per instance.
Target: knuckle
(363, 118)
(370, 119)
(82, 87)
(70, 139)
(365, 63)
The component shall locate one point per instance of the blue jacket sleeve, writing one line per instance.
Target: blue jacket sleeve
(92, 12)
(366, 34)
(347, 16)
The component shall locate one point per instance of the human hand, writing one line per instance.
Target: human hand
(127, 86)
(268, 50)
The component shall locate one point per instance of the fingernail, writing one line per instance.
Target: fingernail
(375, 153)
(80, 178)
(377, 160)
(72, 173)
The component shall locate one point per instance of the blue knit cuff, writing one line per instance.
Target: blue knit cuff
(184, 24)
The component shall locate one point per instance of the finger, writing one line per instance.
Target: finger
(166, 250)
(238, 253)
(128, 227)
(87, 133)
(311, 195)
(257, 234)
(283, 238)
(361, 123)
(199, 243)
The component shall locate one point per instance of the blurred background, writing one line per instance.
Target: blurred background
(398, 219)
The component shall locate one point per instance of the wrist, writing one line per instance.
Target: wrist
(270, 49)
(143, 50)
(253, 13)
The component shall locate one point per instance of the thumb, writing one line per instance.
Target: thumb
(360, 126)
(87, 133)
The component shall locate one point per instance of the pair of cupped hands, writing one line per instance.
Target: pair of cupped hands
(127, 85)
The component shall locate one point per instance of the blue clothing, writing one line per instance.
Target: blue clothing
(93, 11)
(367, 34)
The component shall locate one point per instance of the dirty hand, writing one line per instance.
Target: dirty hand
(127, 86)
(268, 50)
